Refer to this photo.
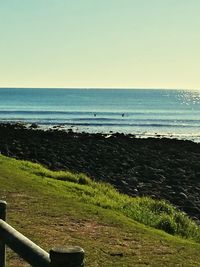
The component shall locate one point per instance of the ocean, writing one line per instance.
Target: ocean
(142, 112)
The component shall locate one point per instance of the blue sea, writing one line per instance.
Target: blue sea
(142, 112)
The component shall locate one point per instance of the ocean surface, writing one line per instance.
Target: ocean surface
(143, 112)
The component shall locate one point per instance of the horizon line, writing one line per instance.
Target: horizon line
(100, 88)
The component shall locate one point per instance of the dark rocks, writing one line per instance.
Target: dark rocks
(183, 195)
(162, 168)
(33, 126)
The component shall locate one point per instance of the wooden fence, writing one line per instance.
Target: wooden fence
(30, 252)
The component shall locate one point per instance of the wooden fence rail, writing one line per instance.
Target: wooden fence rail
(30, 252)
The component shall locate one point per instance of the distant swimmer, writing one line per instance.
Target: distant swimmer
(122, 114)
(95, 114)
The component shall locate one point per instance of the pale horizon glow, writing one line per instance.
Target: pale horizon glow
(100, 44)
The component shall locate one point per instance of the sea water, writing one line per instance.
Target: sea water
(142, 112)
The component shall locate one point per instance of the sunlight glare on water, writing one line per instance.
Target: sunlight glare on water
(189, 98)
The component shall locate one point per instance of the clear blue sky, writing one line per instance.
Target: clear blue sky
(100, 43)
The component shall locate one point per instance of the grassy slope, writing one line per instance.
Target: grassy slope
(52, 212)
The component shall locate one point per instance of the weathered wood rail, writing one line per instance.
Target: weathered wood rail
(30, 252)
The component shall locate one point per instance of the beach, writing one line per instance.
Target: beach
(158, 167)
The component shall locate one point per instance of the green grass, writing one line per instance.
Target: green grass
(154, 213)
(59, 208)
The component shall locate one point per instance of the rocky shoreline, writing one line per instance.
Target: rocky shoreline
(158, 167)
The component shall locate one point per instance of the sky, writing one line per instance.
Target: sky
(100, 43)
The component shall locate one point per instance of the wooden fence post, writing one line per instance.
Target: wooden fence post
(33, 254)
(67, 257)
(3, 205)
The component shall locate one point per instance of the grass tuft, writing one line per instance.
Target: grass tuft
(154, 213)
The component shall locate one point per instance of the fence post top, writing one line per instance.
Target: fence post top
(69, 249)
(67, 256)
(3, 203)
